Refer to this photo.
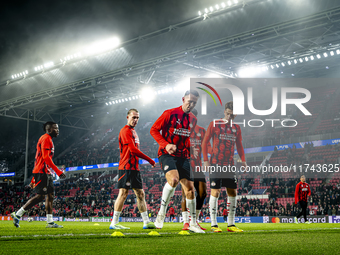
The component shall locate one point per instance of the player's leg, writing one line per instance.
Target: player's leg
(118, 207)
(49, 204)
(299, 215)
(168, 165)
(185, 213)
(201, 189)
(231, 208)
(29, 204)
(213, 204)
(141, 203)
(304, 211)
(41, 183)
(124, 185)
(189, 191)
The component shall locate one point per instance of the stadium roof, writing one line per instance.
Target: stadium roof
(260, 33)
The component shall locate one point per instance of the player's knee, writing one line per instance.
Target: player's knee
(141, 195)
(190, 194)
(173, 181)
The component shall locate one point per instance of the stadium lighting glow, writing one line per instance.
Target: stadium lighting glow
(277, 66)
(338, 52)
(223, 5)
(148, 94)
(206, 10)
(199, 13)
(106, 103)
(306, 59)
(289, 62)
(217, 7)
(229, 3)
(295, 61)
(283, 64)
(325, 55)
(272, 67)
(331, 53)
(116, 101)
(318, 56)
(301, 60)
(211, 8)
(311, 57)
(235, 1)
(129, 98)
(102, 46)
(119, 101)
(113, 102)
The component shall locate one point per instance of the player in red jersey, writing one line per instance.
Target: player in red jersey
(42, 180)
(172, 132)
(129, 175)
(200, 185)
(302, 192)
(224, 136)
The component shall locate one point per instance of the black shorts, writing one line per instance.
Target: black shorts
(217, 183)
(129, 179)
(182, 165)
(43, 184)
(199, 177)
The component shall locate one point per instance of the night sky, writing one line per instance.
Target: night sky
(35, 32)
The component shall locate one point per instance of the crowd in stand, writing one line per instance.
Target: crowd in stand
(99, 201)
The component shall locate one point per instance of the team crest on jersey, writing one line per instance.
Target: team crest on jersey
(128, 184)
(234, 130)
(166, 167)
(213, 184)
(191, 125)
(199, 134)
(45, 189)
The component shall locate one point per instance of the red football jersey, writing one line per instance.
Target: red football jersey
(196, 139)
(302, 191)
(43, 157)
(128, 161)
(224, 139)
(175, 126)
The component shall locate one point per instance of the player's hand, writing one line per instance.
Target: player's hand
(171, 148)
(62, 176)
(153, 164)
(32, 185)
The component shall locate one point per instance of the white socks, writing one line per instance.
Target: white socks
(145, 217)
(185, 216)
(115, 218)
(20, 213)
(167, 194)
(213, 210)
(231, 208)
(191, 207)
(49, 218)
(198, 212)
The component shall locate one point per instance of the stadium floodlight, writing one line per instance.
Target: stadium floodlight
(26, 72)
(301, 60)
(229, 3)
(129, 98)
(211, 8)
(119, 100)
(312, 57)
(113, 102)
(306, 59)
(199, 13)
(110, 103)
(283, 64)
(338, 52)
(331, 53)
(289, 62)
(277, 66)
(236, 1)
(272, 67)
(318, 56)
(206, 10)
(147, 94)
(106, 103)
(217, 7)
(295, 61)
(223, 5)
(116, 101)
(325, 54)
(133, 97)
(102, 46)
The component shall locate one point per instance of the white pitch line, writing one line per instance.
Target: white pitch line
(167, 233)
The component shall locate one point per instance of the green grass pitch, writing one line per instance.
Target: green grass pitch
(88, 238)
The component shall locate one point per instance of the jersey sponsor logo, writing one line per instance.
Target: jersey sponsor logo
(227, 137)
(304, 189)
(182, 131)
